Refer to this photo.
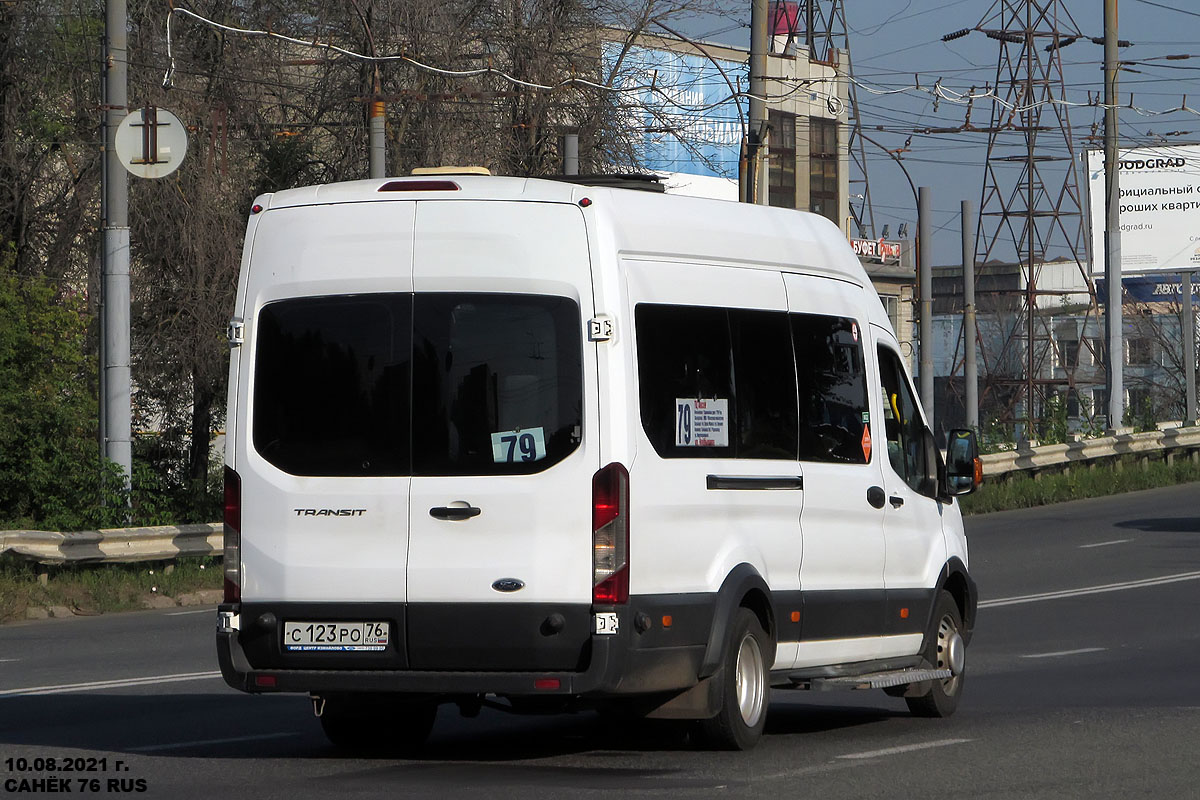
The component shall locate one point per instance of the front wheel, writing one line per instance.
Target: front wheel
(944, 649)
(746, 687)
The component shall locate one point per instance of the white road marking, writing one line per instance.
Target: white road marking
(1104, 544)
(8, 660)
(210, 610)
(908, 748)
(202, 742)
(65, 688)
(1109, 587)
(1061, 653)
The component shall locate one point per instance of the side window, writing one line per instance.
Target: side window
(903, 427)
(832, 381)
(764, 371)
(715, 382)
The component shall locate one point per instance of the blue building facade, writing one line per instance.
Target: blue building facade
(687, 107)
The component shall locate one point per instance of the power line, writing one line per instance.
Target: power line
(1170, 8)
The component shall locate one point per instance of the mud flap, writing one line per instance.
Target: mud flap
(702, 701)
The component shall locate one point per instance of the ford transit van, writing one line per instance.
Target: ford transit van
(540, 445)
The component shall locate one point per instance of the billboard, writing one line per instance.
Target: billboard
(684, 106)
(1159, 288)
(879, 251)
(1160, 208)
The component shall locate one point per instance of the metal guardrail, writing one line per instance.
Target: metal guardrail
(164, 542)
(114, 545)
(1167, 444)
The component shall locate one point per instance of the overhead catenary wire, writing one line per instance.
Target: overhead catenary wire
(834, 102)
(936, 89)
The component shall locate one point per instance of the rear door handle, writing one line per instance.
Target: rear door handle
(896, 501)
(455, 513)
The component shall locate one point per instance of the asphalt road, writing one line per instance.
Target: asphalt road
(1083, 681)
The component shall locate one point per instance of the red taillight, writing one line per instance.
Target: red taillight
(233, 537)
(610, 536)
(419, 186)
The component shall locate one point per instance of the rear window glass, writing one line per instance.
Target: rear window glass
(497, 383)
(331, 385)
(431, 384)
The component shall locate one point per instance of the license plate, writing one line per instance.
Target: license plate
(342, 637)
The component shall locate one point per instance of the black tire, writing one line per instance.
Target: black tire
(746, 687)
(377, 724)
(943, 646)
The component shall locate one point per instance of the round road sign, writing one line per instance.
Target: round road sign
(151, 142)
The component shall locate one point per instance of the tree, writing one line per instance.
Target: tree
(49, 461)
(49, 164)
(263, 115)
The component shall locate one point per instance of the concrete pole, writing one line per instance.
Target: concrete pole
(1112, 229)
(755, 185)
(378, 141)
(114, 311)
(925, 287)
(571, 154)
(1189, 350)
(970, 366)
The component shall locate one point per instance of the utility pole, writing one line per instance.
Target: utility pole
(1114, 355)
(378, 147)
(970, 367)
(1030, 200)
(753, 181)
(570, 154)
(925, 287)
(114, 293)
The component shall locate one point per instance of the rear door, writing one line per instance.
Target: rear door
(504, 438)
(323, 458)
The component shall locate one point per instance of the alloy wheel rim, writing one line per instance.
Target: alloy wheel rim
(749, 683)
(949, 638)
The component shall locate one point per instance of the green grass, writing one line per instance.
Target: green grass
(1024, 491)
(100, 588)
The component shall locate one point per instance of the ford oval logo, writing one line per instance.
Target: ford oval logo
(508, 585)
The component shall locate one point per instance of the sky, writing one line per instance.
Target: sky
(896, 46)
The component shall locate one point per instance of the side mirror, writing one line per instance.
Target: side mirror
(964, 468)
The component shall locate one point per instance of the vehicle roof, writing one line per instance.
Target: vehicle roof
(641, 224)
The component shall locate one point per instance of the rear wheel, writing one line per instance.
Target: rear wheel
(944, 649)
(746, 688)
(377, 724)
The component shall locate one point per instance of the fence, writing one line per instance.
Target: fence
(114, 545)
(1168, 445)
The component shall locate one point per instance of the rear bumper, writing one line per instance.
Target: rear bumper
(630, 662)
